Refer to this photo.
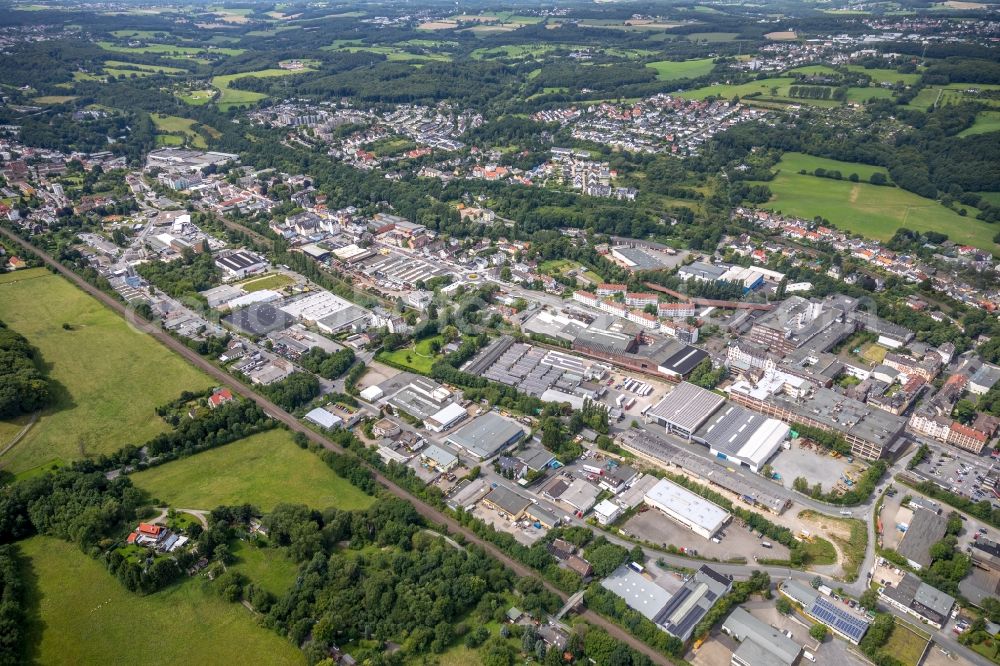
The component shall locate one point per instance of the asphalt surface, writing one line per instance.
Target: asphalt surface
(428, 512)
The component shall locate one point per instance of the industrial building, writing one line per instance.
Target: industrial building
(237, 265)
(685, 409)
(872, 433)
(258, 319)
(690, 510)
(925, 529)
(840, 618)
(760, 643)
(742, 436)
(640, 593)
(690, 604)
(914, 596)
(486, 436)
(506, 502)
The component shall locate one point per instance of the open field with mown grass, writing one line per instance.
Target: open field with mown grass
(108, 377)
(871, 210)
(53, 99)
(168, 127)
(230, 97)
(265, 469)
(986, 121)
(159, 69)
(795, 162)
(168, 49)
(668, 70)
(196, 97)
(886, 75)
(79, 614)
(418, 357)
(270, 281)
(270, 568)
(906, 643)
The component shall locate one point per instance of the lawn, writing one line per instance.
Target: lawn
(795, 162)
(108, 376)
(54, 99)
(874, 211)
(264, 470)
(169, 127)
(986, 121)
(418, 357)
(196, 97)
(853, 548)
(79, 614)
(669, 70)
(905, 644)
(168, 49)
(713, 36)
(271, 281)
(886, 75)
(270, 568)
(231, 97)
(159, 69)
(820, 552)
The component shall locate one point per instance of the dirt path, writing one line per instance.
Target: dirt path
(20, 434)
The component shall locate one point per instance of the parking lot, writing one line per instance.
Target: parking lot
(960, 474)
(814, 464)
(657, 528)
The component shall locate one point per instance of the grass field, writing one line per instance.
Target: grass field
(264, 470)
(876, 212)
(271, 281)
(54, 99)
(232, 97)
(986, 121)
(713, 36)
(169, 126)
(560, 266)
(390, 52)
(952, 94)
(108, 376)
(270, 568)
(168, 49)
(820, 552)
(159, 69)
(794, 162)
(886, 75)
(905, 644)
(991, 197)
(196, 97)
(418, 357)
(79, 614)
(667, 70)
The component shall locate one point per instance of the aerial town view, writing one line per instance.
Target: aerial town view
(612, 332)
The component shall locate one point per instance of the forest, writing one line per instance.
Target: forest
(24, 389)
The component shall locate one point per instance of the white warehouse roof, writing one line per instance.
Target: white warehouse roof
(686, 507)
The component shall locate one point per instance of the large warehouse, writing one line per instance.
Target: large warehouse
(692, 511)
(486, 436)
(685, 409)
(742, 436)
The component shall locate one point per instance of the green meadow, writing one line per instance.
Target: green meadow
(79, 614)
(871, 210)
(265, 469)
(107, 376)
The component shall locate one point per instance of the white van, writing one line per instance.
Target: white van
(808, 655)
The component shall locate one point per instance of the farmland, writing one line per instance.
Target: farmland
(232, 97)
(196, 97)
(169, 49)
(265, 469)
(108, 377)
(667, 70)
(873, 211)
(72, 596)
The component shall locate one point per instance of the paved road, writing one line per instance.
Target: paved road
(431, 514)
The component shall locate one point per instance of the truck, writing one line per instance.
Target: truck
(593, 469)
(766, 544)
